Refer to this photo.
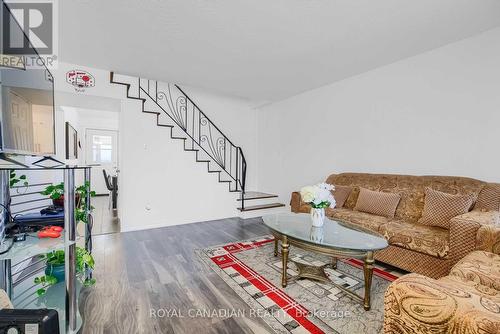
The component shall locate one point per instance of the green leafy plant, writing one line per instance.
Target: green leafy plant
(46, 281)
(56, 258)
(56, 191)
(14, 179)
(82, 192)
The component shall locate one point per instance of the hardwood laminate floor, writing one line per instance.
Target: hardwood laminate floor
(105, 219)
(146, 271)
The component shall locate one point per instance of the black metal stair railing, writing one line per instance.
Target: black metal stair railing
(202, 134)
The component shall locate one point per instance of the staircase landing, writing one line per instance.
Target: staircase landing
(261, 201)
(250, 195)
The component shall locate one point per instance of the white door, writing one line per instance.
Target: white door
(101, 152)
(21, 122)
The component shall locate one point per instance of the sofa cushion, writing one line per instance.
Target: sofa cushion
(377, 202)
(341, 193)
(489, 198)
(428, 240)
(362, 219)
(480, 272)
(440, 207)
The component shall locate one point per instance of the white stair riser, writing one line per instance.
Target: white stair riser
(261, 201)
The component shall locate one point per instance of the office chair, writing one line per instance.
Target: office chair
(112, 185)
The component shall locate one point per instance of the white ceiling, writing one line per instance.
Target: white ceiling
(262, 50)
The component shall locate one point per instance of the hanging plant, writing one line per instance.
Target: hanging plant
(14, 179)
(82, 192)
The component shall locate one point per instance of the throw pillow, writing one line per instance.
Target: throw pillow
(341, 193)
(489, 198)
(440, 207)
(377, 202)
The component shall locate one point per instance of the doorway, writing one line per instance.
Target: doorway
(97, 123)
(102, 154)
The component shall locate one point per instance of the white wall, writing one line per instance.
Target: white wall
(436, 113)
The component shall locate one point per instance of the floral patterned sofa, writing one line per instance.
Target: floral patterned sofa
(465, 301)
(427, 250)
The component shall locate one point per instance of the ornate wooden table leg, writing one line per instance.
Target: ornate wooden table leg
(284, 258)
(368, 270)
(334, 262)
(275, 246)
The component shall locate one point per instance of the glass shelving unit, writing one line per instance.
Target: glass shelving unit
(17, 281)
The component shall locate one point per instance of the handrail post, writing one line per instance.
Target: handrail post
(237, 167)
(242, 181)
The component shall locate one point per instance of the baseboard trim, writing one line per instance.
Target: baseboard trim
(161, 225)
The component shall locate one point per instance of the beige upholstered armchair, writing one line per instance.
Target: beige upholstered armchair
(465, 301)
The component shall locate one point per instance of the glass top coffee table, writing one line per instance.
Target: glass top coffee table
(338, 239)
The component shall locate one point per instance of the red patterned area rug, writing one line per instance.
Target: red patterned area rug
(304, 306)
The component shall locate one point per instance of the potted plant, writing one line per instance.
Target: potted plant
(56, 193)
(319, 197)
(54, 272)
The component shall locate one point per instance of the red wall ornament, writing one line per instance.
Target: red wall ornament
(80, 79)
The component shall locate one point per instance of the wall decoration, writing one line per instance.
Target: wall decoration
(71, 142)
(80, 80)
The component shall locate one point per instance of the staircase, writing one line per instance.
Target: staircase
(187, 122)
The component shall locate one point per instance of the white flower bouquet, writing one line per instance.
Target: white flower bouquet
(319, 196)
